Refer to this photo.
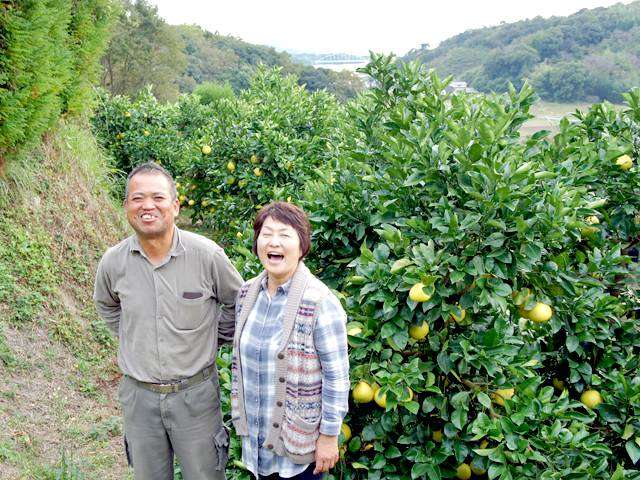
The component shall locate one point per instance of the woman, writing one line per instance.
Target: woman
(290, 368)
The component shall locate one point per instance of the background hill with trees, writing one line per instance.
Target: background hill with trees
(591, 55)
(176, 59)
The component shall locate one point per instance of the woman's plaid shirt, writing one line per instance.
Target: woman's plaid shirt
(259, 343)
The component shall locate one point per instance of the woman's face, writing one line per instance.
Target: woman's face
(278, 248)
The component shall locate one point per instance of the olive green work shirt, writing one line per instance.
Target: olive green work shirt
(169, 318)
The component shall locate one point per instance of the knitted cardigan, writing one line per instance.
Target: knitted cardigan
(296, 415)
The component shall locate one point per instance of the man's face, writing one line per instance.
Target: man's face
(149, 207)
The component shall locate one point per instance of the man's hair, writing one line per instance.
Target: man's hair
(154, 168)
(289, 214)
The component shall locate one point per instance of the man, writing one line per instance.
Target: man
(169, 296)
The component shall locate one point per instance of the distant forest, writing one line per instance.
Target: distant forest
(591, 55)
(145, 50)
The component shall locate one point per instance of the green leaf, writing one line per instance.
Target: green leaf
(628, 432)
(484, 399)
(572, 343)
(443, 362)
(392, 452)
(379, 461)
(633, 450)
(425, 470)
(359, 466)
(412, 406)
(459, 418)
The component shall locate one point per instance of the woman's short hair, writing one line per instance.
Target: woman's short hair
(289, 214)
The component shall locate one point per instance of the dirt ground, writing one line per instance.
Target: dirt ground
(50, 409)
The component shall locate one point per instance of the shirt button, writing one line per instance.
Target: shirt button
(281, 379)
(279, 403)
(270, 447)
(281, 356)
(276, 425)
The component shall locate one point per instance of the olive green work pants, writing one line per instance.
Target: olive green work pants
(186, 423)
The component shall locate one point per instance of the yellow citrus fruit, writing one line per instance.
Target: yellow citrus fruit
(419, 332)
(254, 159)
(192, 202)
(592, 220)
(437, 436)
(380, 399)
(127, 114)
(625, 162)
(230, 180)
(463, 471)
(242, 183)
(459, 319)
(591, 398)
(120, 136)
(540, 313)
(257, 172)
(417, 293)
(206, 149)
(231, 166)
(178, 185)
(477, 470)
(239, 234)
(346, 431)
(146, 133)
(362, 392)
(502, 394)
(182, 198)
(354, 331)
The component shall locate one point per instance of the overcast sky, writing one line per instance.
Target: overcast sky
(356, 26)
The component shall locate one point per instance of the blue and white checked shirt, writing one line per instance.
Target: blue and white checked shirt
(259, 342)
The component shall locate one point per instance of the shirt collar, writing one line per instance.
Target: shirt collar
(177, 247)
(285, 286)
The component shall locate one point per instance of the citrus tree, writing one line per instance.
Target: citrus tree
(264, 145)
(490, 347)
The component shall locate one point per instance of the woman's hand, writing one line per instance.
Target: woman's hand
(326, 453)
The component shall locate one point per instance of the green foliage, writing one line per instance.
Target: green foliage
(143, 51)
(458, 201)
(590, 55)
(230, 155)
(191, 56)
(40, 260)
(210, 92)
(48, 57)
(409, 185)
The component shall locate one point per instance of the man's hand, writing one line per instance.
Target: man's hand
(326, 453)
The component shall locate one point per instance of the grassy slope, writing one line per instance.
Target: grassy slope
(57, 397)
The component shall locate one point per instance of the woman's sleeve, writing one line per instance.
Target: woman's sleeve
(330, 337)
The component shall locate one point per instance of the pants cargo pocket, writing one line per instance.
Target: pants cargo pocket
(221, 442)
(127, 451)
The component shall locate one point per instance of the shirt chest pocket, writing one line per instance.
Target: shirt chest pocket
(192, 310)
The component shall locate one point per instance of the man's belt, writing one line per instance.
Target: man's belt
(178, 385)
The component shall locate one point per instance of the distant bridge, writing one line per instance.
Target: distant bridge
(336, 59)
(341, 61)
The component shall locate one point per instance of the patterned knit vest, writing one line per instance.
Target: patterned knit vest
(298, 399)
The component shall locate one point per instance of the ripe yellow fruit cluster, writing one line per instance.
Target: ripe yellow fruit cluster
(540, 313)
(364, 393)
